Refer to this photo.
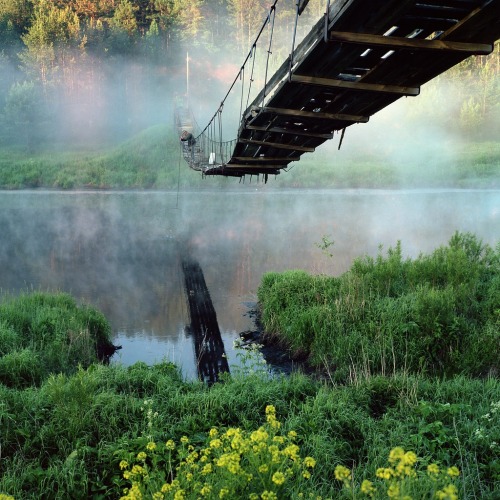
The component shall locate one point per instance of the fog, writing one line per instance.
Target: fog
(122, 251)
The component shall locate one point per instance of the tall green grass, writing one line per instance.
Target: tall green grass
(44, 333)
(67, 438)
(436, 314)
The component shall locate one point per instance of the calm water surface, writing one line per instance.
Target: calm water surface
(122, 251)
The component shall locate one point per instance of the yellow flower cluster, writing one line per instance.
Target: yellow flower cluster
(262, 463)
(401, 478)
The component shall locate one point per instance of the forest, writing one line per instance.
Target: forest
(76, 72)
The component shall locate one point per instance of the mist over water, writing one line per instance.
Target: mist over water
(122, 251)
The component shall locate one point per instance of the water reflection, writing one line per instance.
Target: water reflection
(123, 251)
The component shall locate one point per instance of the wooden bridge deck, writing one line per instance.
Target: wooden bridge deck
(368, 54)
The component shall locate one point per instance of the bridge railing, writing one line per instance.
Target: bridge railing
(209, 148)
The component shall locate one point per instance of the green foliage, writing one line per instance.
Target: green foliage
(70, 434)
(66, 434)
(42, 334)
(232, 463)
(437, 313)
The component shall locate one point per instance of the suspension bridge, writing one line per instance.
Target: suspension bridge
(359, 58)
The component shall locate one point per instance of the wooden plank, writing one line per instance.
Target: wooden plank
(278, 130)
(395, 43)
(277, 145)
(370, 87)
(249, 166)
(320, 116)
(265, 158)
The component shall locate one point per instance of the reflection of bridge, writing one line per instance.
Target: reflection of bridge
(363, 56)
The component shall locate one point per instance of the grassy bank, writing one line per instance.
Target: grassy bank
(426, 430)
(438, 314)
(149, 160)
(42, 334)
(152, 159)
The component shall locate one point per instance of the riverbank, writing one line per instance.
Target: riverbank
(93, 431)
(152, 160)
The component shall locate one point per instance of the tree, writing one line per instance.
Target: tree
(124, 18)
(49, 41)
(25, 112)
(247, 17)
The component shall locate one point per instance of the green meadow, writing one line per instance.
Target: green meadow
(405, 402)
(152, 160)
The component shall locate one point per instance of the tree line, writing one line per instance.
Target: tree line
(82, 68)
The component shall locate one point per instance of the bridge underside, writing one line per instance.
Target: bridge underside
(366, 56)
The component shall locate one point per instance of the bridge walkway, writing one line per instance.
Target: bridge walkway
(363, 56)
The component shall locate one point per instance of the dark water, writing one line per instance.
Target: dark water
(123, 251)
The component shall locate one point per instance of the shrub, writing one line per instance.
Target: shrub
(263, 463)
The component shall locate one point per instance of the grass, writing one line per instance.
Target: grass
(80, 430)
(148, 160)
(42, 334)
(151, 160)
(437, 314)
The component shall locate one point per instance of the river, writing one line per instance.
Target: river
(122, 251)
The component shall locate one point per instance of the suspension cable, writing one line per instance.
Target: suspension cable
(273, 7)
(273, 13)
(251, 74)
(293, 39)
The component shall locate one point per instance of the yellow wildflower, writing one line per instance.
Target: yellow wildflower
(292, 434)
(393, 491)
(263, 468)
(224, 492)
(367, 488)
(278, 478)
(259, 435)
(270, 410)
(396, 454)
(166, 488)
(342, 473)
(184, 440)
(215, 443)
(214, 433)
(157, 495)
(453, 471)
(385, 473)
(309, 462)
(138, 469)
(141, 456)
(151, 446)
(206, 490)
(449, 492)
(292, 451)
(269, 495)
(123, 465)
(433, 469)
(306, 474)
(207, 469)
(170, 445)
(409, 458)
(179, 495)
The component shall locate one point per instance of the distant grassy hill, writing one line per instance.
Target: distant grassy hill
(152, 160)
